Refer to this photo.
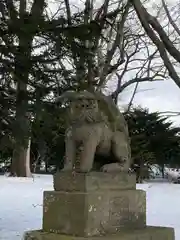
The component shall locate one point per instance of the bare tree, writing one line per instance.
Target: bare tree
(115, 51)
(142, 62)
(164, 34)
(96, 41)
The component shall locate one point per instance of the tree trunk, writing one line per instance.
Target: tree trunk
(162, 170)
(21, 161)
(28, 26)
(21, 151)
(46, 166)
(139, 176)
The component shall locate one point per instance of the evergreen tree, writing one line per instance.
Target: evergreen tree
(153, 139)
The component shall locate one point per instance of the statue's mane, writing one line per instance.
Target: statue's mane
(108, 110)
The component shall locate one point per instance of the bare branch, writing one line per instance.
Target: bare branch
(37, 8)
(170, 18)
(118, 42)
(144, 18)
(68, 11)
(22, 7)
(135, 80)
(132, 97)
(11, 9)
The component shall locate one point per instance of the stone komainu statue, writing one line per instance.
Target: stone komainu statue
(96, 131)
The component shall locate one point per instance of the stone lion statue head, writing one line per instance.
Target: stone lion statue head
(93, 107)
(83, 107)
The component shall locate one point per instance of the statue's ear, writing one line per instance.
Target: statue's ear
(66, 96)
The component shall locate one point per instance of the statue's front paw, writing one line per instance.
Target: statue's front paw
(67, 169)
(84, 169)
(112, 167)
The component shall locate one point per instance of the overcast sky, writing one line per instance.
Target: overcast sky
(164, 96)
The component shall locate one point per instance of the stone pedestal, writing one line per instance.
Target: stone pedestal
(147, 233)
(93, 204)
(98, 206)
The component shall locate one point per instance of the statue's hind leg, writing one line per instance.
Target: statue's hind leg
(121, 150)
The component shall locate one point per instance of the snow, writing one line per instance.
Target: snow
(21, 205)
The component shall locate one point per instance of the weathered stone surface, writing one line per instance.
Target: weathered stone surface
(95, 126)
(94, 181)
(93, 213)
(147, 233)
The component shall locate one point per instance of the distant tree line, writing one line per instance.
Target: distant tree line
(154, 140)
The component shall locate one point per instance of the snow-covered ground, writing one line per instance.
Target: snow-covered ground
(21, 205)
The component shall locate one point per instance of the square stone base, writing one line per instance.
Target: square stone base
(147, 233)
(93, 213)
(94, 181)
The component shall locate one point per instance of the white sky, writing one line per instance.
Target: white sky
(164, 96)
